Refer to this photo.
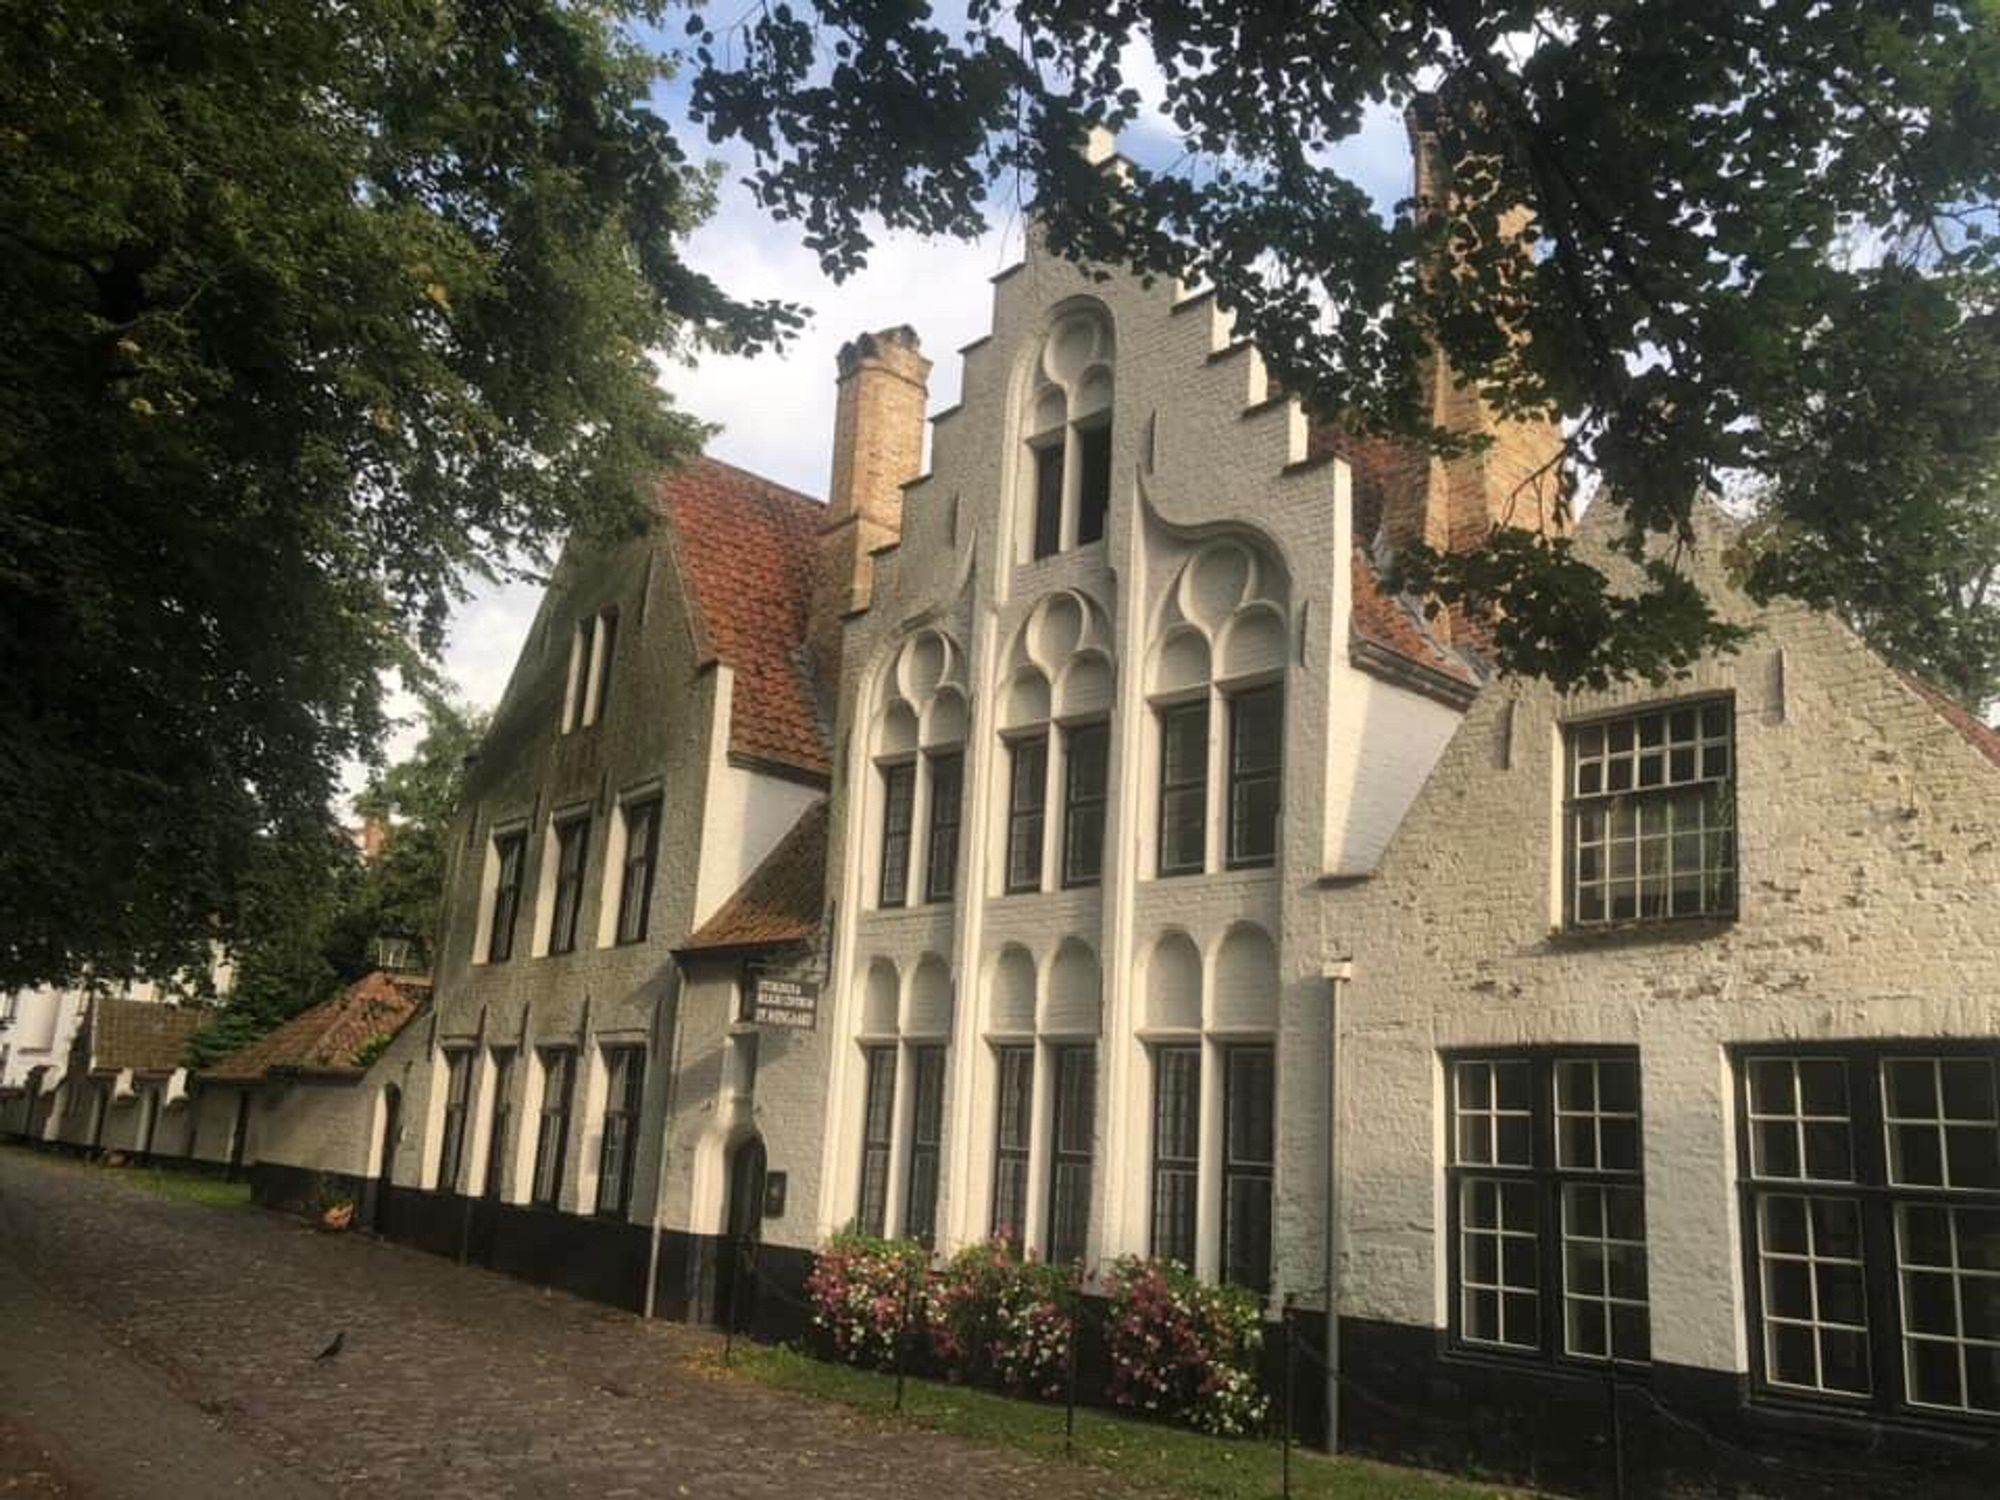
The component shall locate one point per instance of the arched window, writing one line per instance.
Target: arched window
(1068, 435)
(1055, 719)
(904, 1033)
(1215, 679)
(918, 748)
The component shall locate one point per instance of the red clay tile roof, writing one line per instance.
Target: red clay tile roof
(1392, 626)
(329, 1038)
(1982, 737)
(780, 902)
(145, 1036)
(746, 549)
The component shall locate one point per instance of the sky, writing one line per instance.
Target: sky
(774, 412)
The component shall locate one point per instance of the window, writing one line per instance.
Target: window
(1093, 500)
(588, 692)
(635, 891)
(509, 851)
(1016, 1067)
(457, 1088)
(1249, 1153)
(1027, 799)
(1070, 1161)
(926, 1142)
(1256, 751)
(899, 795)
(572, 845)
(503, 1120)
(1547, 1204)
(947, 791)
(602, 652)
(625, 1081)
(1855, 1162)
(1048, 497)
(1086, 751)
(877, 1130)
(1652, 816)
(1176, 1151)
(1183, 788)
(552, 1129)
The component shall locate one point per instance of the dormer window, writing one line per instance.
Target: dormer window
(1069, 437)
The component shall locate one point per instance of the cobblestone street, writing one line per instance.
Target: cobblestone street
(159, 1348)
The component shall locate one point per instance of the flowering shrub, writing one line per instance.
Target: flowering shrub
(997, 1319)
(1184, 1349)
(861, 1288)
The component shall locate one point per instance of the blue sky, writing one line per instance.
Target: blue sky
(775, 412)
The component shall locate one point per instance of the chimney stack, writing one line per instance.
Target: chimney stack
(878, 447)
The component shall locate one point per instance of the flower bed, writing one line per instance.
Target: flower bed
(1183, 1349)
(996, 1319)
(863, 1293)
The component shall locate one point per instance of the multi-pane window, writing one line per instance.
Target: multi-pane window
(1048, 497)
(572, 844)
(1176, 1151)
(502, 1121)
(591, 652)
(1026, 804)
(510, 852)
(1183, 788)
(1256, 757)
(635, 887)
(1547, 1200)
(457, 1093)
(1071, 1151)
(1086, 750)
(899, 799)
(1093, 499)
(1652, 815)
(552, 1127)
(947, 792)
(1859, 1161)
(625, 1081)
(1016, 1069)
(878, 1123)
(920, 1196)
(1249, 1155)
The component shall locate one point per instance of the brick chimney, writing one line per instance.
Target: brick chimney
(1452, 504)
(878, 446)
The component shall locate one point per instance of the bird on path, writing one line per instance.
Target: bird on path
(339, 1339)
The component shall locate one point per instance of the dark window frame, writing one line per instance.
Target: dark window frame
(606, 625)
(1877, 1199)
(1078, 805)
(1176, 1241)
(510, 850)
(1547, 1178)
(899, 793)
(947, 815)
(1248, 1169)
(633, 921)
(1166, 714)
(1606, 802)
(925, 1159)
(502, 1119)
(1014, 1097)
(553, 1112)
(1093, 478)
(1237, 777)
(1066, 1152)
(457, 1107)
(624, 1063)
(878, 1137)
(1020, 818)
(571, 833)
(1048, 471)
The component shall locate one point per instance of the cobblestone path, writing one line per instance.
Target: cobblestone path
(188, 1333)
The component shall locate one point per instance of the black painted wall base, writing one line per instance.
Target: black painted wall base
(1669, 1430)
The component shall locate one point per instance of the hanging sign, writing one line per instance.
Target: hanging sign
(784, 1000)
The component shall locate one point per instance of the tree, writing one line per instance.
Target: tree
(1720, 242)
(311, 312)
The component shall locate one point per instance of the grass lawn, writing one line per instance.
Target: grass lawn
(162, 1182)
(1164, 1460)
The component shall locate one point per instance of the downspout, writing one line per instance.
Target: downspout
(1339, 975)
(673, 1060)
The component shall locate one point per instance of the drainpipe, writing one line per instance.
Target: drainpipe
(1339, 974)
(673, 1060)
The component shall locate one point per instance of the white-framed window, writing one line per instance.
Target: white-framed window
(1066, 459)
(506, 861)
(457, 1102)
(593, 649)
